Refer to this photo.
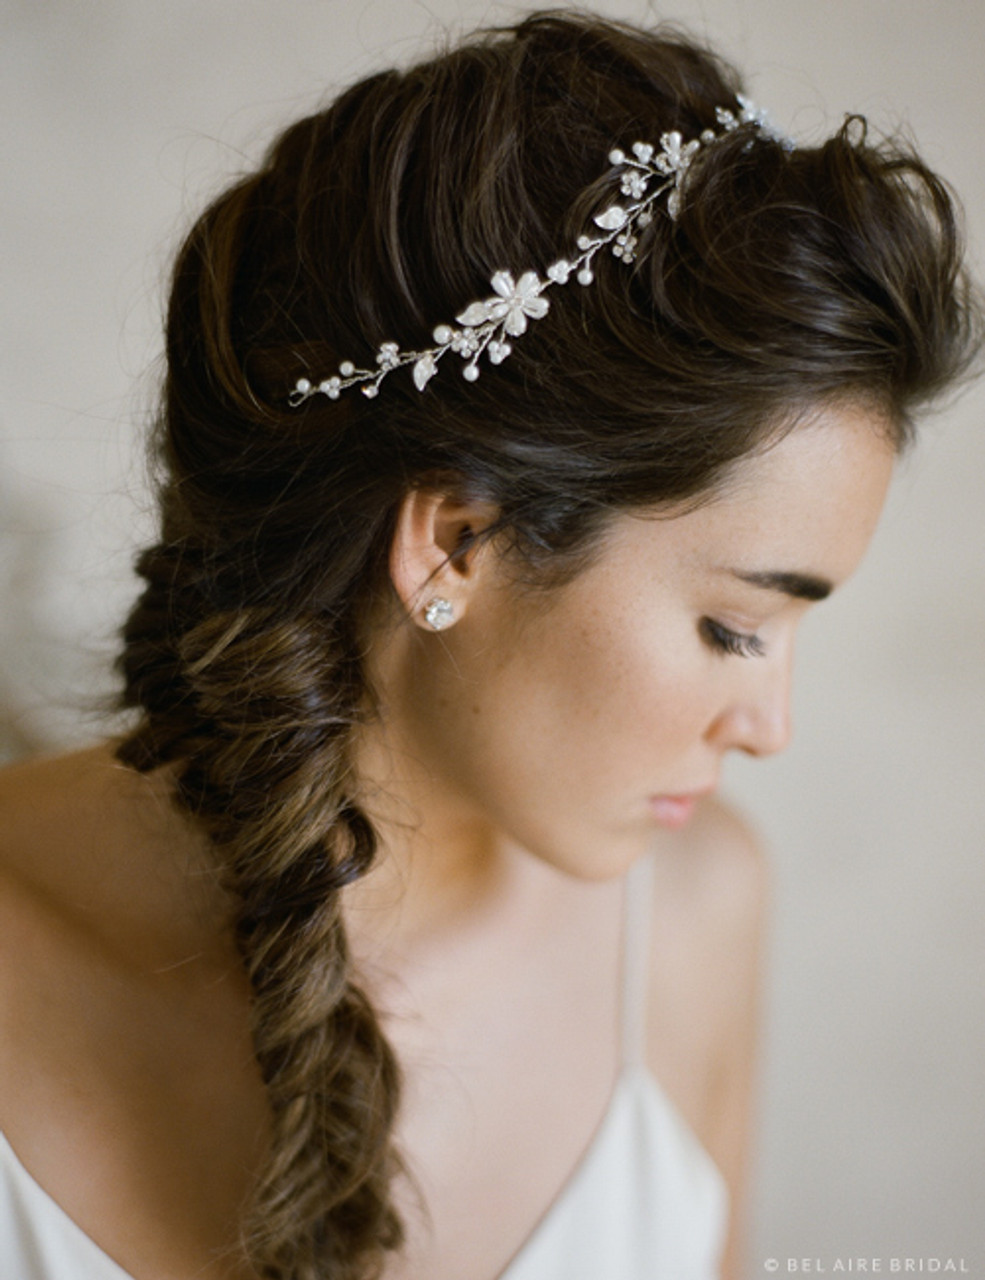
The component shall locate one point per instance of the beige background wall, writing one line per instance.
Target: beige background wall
(117, 119)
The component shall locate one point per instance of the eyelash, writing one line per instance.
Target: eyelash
(733, 643)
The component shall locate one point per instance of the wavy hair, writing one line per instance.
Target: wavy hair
(789, 278)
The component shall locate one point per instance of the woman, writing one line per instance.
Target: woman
(433, 676)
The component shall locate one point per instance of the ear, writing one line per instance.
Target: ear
(432, 556)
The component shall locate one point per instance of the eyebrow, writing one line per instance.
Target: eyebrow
(801, 586)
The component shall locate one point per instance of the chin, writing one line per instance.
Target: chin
(607, 859)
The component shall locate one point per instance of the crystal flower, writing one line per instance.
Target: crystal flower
(522, 299)
(625, 246)
(464, 341)
(498, 351)
(516, 301)
(559, 271)
(675, 153)
(634, 184)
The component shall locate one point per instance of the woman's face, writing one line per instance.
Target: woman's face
(574, 725)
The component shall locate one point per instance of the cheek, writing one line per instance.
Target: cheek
(646, 689)
(554, 734)
(589, 707)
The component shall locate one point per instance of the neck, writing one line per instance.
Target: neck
(439, 867)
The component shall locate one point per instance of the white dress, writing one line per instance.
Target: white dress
(645, 1202)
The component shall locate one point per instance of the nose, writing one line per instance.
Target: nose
(758, 721)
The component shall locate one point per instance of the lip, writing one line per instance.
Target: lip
(676, 811)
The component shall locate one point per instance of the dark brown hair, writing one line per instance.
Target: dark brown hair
(790, 277)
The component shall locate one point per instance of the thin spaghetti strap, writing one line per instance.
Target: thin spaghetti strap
(637, 911)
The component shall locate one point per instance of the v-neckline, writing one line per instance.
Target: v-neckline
(114, 1270)
(584, 1161)
(117, 1271)
(634, 932)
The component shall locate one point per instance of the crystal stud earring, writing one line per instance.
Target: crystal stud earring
(439, 613)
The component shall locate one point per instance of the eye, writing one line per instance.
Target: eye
(724, 640)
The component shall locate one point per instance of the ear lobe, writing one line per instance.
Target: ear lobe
(430, 554)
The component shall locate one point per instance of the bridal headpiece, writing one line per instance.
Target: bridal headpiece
(486, 327)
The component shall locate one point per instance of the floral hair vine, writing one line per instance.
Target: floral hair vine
(486, 327)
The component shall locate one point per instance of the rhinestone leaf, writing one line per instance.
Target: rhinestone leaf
(475, 314)
(612, 219)
(424, 371)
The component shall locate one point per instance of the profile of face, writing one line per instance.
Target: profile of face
(572, 724)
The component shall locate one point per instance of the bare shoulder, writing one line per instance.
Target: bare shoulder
(710, 905)
(88, 846)
(712, 887)
(29, 786)
(710, 914)
(48, 832)
(52, 845)
(730, 873)
(53, 812)
(35, 797)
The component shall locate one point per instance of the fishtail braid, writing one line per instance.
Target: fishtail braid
(274, 702)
